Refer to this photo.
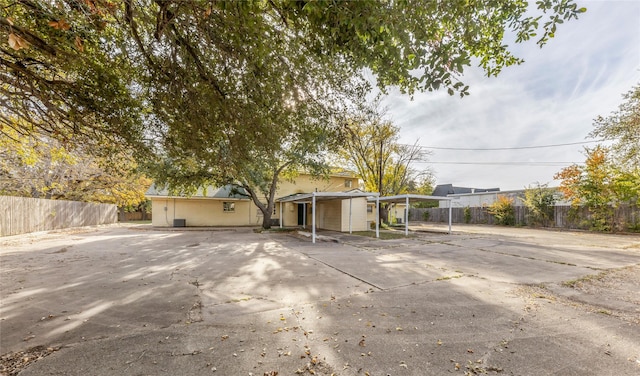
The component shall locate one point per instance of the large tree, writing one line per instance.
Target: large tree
(240, 91)
(611, 174)
(372, 149)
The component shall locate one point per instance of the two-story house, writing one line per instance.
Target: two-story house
(215, 207)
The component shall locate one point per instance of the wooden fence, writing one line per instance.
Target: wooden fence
(625, 217)
(137, 216)
(21, 215)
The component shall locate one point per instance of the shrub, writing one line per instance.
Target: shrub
(467, 214)
(425, 216)
(503, 212)
(540, 201)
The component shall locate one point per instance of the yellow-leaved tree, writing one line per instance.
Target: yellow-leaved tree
(39, 166)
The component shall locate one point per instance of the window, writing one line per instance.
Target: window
(369, 208)
(229, 207)
(347, 183)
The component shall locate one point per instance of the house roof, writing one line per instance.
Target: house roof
(228, 191)
(443, 190)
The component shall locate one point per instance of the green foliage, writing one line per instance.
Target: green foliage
(503, 211)
(467, 214)
(540, 200)
(99, 60)
(623, 128)
(425, 216)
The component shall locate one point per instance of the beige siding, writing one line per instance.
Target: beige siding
(203, 212)
(358, 214)
(290, 214)
(328, 215)
(307, 184)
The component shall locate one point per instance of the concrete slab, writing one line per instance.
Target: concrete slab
(128, 300)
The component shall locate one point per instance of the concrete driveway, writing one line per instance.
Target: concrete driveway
(484, 300)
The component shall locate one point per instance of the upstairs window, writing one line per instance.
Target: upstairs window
(348, 183)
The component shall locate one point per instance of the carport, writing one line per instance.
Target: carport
(406, 199)
(314, 197)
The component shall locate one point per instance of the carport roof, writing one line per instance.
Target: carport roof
(308, 197)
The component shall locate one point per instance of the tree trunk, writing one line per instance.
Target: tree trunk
(384, 213)
(266, 220)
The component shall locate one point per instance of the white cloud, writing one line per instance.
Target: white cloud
(551, 99)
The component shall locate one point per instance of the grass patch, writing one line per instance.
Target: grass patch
(449, 277)
(582, 280)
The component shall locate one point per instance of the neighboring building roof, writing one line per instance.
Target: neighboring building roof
(410, 197)
(444, 190)
(227, 191)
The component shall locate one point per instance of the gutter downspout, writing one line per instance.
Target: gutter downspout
(313, 218)
(406, 216)
(377, 216)
(350, 200)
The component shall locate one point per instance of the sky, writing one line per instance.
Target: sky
(551, 99)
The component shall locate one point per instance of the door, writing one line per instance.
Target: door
(301, 214)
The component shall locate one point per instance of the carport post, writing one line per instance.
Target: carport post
(449, 217)
(377, 216)
(313, 217)
(350, 199)
(281, 215)
(406, 216)
(304, 215)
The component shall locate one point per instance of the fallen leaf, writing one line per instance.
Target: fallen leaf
(17, 42)
(80, 47)
(60, 24)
